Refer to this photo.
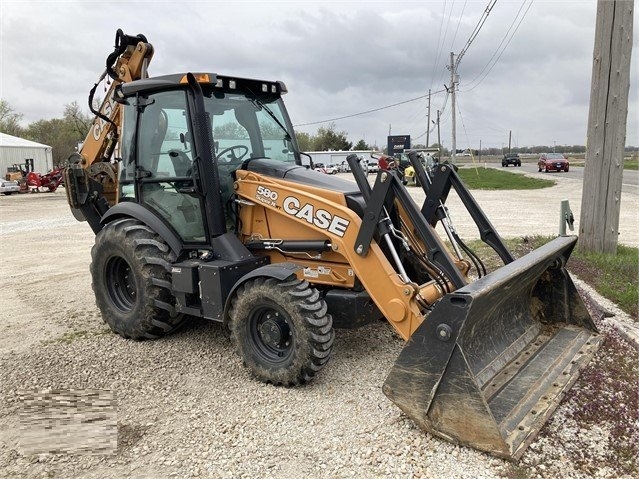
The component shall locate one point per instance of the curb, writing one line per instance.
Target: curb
(613, 315)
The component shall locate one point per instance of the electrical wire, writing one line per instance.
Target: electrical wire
(450, 14)
(502, 51)
(461, 15)
(369, 111)
(434, 125)
(476, 31)
(440, 45)
(463, 124)
(500, 43)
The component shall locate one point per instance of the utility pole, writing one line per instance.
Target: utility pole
(439, 140)
(479, 150)
(603, 171)
(428, 121)
(510, 135)
(452, 94)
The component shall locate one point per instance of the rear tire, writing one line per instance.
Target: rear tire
(131, 267)
(281, 330)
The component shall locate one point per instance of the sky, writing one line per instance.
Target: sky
(528, 70)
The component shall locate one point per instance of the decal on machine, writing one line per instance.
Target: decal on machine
(321, 218)
(315, 273)
(266, 195)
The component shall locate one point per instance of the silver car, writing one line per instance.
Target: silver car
(7, 187)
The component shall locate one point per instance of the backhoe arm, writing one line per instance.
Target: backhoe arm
(91, 179)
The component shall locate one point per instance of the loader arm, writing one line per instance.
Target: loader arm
(91, 178)
(486, 362)
(332, 220)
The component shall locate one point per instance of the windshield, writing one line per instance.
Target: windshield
(244, 128)
(555, 156)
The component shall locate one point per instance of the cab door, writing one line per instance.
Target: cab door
(157, 167)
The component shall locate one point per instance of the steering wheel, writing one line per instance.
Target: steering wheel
(234, 156)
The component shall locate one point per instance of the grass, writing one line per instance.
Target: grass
(631, 164)
(615, 277)
(493, 179)
(605, 396)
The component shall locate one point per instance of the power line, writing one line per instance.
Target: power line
(463, 124)
(441, 111)
(369, 111)
(502, 51)
(476, 31)
(500, 43)
(439, 46)
(461, 15)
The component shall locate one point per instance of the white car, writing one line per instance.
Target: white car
(328, 169)
(7, 187)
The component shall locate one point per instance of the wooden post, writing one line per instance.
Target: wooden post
(601, 197)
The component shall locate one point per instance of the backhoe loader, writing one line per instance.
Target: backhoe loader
(203, 206)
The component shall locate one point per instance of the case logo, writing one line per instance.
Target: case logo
(321, 218)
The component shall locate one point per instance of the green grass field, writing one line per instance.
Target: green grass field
(615, 277)
(631, 164)
(492, 179)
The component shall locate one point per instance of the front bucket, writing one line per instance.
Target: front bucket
(492, 360)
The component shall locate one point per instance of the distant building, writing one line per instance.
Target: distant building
(339, 157)
(14, 151)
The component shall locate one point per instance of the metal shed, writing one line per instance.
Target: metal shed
(14, 150)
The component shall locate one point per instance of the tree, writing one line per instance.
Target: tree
(61, 134)
(328, 139)
(362, 145)
(9, 119)
(79, 122)
(304, 141)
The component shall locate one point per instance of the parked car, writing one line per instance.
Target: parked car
(327, 169)
(511, 159)
(552, 162)
(7, 187)
(331, 169)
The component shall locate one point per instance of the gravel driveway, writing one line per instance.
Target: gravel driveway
(186, 406)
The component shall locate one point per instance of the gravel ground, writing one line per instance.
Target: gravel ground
(186, 406)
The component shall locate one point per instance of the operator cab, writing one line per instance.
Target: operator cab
(161, 167)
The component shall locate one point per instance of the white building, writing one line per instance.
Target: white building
(14, 151)
(338, 157)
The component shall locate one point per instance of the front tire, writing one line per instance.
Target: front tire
(281, 330)
(130, 268)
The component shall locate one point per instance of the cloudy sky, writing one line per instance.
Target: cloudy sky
(337, 59)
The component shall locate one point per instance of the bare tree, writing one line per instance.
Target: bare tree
(9, 119)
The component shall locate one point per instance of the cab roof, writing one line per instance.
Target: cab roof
(215, 80)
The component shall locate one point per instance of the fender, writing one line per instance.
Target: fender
(139, 212)
(279, 271)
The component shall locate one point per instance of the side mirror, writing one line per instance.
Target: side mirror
(306, 160)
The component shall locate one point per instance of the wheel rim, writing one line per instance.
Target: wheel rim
(271, 334)
(121, 283)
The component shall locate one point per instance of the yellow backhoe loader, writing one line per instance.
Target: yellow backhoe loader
(203, 205)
